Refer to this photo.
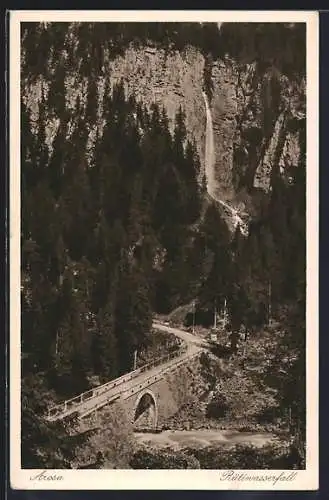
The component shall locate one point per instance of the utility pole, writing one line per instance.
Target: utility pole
(269, 303)
(56, 348)
(215, 317)
(193, 325)
(135, 360)
(225, 313)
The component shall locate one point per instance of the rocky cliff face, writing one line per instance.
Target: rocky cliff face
(170, 79)
(258, 114)
(259, 120)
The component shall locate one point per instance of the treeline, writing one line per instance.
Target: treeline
(113, 231)
(92, 236)
(269, 267)
(115, 225)
(258, 274)
(280, 45)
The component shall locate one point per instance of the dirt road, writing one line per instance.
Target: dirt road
(186, 336)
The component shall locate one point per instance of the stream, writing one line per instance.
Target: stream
(203, 437)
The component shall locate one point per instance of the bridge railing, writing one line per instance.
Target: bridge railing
(72, 403)
(126, 393)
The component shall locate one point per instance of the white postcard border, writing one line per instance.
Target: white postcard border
(171, 479)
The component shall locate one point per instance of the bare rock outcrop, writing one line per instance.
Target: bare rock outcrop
(258, 114)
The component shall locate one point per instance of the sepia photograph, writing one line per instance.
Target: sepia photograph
(162, 236)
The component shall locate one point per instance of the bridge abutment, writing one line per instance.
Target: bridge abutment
(152, 406)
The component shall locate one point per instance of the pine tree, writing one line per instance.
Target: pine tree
(179, 137)
(104, 343)
(132, 314)
(41, 149)
(43, 444)
(58, 161)
(76, 200)
(57, 93)
(191, 171)
(28, 151)
(92, 102)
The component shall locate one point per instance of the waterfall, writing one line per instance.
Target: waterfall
(210, 171)
(210, 151)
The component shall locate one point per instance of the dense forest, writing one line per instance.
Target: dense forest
(113, 233)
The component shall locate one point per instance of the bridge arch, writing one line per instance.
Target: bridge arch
(145, 412)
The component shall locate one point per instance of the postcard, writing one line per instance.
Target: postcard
(163, 250)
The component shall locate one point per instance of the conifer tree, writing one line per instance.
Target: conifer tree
(179, 137)
(104, 343)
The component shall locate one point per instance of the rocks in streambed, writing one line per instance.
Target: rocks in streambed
(214, 450)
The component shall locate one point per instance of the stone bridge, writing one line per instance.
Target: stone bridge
(144, 393)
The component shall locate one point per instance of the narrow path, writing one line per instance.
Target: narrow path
(189, 338)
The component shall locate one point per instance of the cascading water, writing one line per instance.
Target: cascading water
(210, 170)
(210, 151)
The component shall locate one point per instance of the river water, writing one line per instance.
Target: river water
(203, 437)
